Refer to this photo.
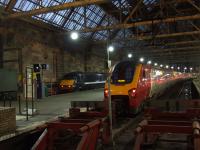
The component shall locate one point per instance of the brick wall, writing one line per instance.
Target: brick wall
(7, 120)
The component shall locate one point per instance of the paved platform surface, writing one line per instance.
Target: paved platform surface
(50, 107)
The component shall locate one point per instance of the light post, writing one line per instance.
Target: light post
(110, 49)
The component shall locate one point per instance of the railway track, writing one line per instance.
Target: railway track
(126, 139)
(124, 135)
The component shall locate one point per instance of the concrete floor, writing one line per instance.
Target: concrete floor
(50, 107)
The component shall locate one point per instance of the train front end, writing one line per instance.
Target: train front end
(69, 82)
(67, 85)
(125, 94)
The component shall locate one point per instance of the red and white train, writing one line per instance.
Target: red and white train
(132, 83)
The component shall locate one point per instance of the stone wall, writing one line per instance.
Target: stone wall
(35, 45)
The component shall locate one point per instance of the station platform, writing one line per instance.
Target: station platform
(49, 108)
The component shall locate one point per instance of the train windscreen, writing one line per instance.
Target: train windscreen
(123, 73)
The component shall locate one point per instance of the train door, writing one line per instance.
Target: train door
(141, 86)
(148, 81)
(145, 82)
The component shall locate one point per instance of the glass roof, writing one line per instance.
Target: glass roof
(72, 19)
(147, 2)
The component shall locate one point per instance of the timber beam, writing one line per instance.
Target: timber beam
(56, 8)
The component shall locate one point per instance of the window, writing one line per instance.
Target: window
(123, 72)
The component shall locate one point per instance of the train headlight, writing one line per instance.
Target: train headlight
(106, 92)
(132, 92)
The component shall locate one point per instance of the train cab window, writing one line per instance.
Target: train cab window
(123, 73)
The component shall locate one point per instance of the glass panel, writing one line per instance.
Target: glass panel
(4, 2)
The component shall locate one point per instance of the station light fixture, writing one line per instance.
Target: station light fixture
(130, 55)
(191, 68)
(166, 66)
(178, 68)
(161, 65)
(74, 35)
(141, 59)
(149, 62)
(172, 67)
(110, 48)
(185, 68)
(155, 64)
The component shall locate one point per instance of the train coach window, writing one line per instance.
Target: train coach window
(123, 73)
(143, 74)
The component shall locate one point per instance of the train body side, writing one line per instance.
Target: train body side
(81, 80)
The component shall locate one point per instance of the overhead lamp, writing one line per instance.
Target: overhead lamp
(149, 62)
(178, 68)
(185, 68)
(191, 68)
(129, 55)
(172, 67)
(161, 65)
(155, 64)
(74, 35)
(141, 59)
(167, 67)
(110, 48)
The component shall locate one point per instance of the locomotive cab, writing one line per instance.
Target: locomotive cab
(70, 82)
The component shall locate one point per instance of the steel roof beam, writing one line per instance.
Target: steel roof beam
(10, 5)
(180, 43)
(166, 50)
(56, 8)
(181, 57)
(183, 43)
(151, 37)
(142, 23)
(133, 11)
(194, 5)
(113, 35)
(176, 54)
(167, 35)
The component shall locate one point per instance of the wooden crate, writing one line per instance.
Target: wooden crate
(7, 120)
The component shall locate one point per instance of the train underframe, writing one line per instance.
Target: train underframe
(122, 106)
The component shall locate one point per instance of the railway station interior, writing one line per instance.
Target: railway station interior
(99, 74)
